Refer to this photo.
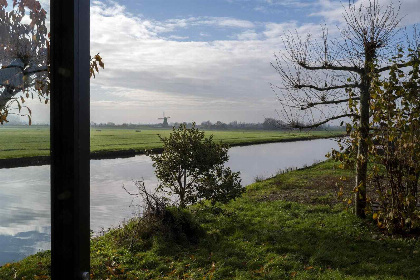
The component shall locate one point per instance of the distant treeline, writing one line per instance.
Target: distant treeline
(268, 124)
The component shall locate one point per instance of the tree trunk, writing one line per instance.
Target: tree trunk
(361, 175)
(362, 148)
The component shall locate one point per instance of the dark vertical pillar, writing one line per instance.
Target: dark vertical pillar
(70, 136)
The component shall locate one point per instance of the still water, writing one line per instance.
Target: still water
(25, 195)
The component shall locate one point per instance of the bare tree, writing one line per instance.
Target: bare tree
(326, 80)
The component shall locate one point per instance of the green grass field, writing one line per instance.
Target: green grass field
(18, 142)
(292, 226)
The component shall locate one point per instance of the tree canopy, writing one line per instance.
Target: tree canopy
(331, 79)
(192, 167)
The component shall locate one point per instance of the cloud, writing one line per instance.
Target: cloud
(263, 4)
(147, 72)
(289, 3)
(228, 22)
(248, 35)
(277, 30)
(150, 66)
(175, 37)
(332, 11)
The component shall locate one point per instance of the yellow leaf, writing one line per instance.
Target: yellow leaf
(375, 216)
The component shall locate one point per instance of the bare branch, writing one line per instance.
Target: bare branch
(328, 66)
(398, 65)
(325, 121)
(312, 104)
(35, 70)
(327, 88)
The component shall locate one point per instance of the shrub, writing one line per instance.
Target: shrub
(160, 220)
(192, 167)
(396, 146)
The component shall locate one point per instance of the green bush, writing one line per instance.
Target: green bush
(192, 168)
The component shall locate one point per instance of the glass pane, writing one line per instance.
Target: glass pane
(159, 66)
(24, 132)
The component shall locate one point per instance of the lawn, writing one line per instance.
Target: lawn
(292, 226)
(33, 141)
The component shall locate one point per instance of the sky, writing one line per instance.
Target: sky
(197, 60)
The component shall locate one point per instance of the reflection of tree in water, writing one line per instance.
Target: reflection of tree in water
(23, 55)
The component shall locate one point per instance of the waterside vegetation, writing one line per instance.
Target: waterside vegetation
(292, 226)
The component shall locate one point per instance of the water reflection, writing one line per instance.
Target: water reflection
(25, 195)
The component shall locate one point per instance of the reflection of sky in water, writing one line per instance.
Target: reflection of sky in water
(267, 159)
(25, 194)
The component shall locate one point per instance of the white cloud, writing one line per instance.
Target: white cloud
(264, 5)
(149, 70)
(146, 69)
(226, 22)
(332, 11)
(277, 30)
(248, 35)
(175, 37)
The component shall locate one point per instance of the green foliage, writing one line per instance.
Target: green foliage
(220, 185)
(191, 167)
(395, 145)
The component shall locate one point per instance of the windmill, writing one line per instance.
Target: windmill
(165, 120)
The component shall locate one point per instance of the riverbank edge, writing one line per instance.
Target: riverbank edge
(104, 154)
(322, 234)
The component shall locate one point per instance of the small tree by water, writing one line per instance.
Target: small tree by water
(192, 168)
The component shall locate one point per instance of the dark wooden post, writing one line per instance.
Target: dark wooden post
(70, 136)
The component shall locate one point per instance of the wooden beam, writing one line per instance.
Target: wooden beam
(70, 136)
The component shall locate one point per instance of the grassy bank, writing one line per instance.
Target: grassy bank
(18, 142)
(290, 226)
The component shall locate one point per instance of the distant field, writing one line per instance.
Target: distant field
(18, 142)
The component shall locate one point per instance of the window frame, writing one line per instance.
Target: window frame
(70, 139)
